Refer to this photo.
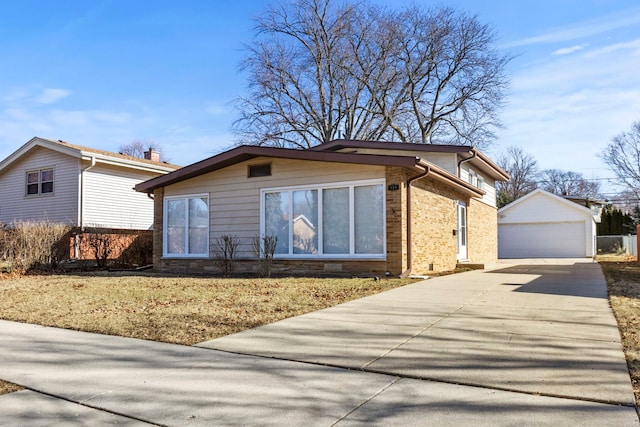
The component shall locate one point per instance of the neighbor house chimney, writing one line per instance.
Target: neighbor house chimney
(152, 155)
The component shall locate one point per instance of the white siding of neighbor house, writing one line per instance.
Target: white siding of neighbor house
(110, 200)
(234, 199)
(61, 206)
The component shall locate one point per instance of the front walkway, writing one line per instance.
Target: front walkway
(532, 343)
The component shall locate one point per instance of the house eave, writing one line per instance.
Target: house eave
(443, 176)
(79, 153)
(480, 160)
(244, 153)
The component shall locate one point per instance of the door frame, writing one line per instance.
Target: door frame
(461, 231)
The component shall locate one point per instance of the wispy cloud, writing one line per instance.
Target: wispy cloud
(564, 109)
(630, 45)
(583, 29)
(569, 50)
(216, 109)
(50, 96)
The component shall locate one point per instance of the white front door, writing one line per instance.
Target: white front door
(462, 231)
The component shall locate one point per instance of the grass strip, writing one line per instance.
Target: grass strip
(623, 281)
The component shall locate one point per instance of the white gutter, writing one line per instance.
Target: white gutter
(81, 213)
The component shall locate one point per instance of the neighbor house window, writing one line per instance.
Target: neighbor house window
(337, 220)
(40, 181)
(186, 226)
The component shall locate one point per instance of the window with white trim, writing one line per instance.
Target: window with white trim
(39, 181)
(345, 220)
(473, 178)
(186, 226)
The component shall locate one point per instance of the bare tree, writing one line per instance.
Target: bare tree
(137, 148)
(523, 169)
(568, 183)
(321, 70)
(622, 156)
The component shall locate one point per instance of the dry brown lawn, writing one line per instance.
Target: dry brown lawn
(623, 279)
(181, 310)
(6, 387)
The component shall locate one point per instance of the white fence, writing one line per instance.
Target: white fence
(618, 244)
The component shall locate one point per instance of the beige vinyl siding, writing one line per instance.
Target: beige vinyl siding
(447, 161)
(110, 200)
(489, 186)
(234, 199)
(61, 206)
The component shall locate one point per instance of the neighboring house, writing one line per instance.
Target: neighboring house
(543, 225)
(55, 181)
(346, 207)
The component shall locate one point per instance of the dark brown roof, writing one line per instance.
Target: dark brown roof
(247, 152)
(480, 157)
(340, 144)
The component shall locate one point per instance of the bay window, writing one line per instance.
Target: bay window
(345, 220)
(186, 226)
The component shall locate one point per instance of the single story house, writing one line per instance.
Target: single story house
(54, 181)
(544, 225)
(344, 207)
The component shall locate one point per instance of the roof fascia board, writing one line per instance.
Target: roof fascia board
(131, 164)
(488, 165)
(244, 153)
(432, 148)
(551, 196)
(497, 172)
(37, 142)
(450, 179)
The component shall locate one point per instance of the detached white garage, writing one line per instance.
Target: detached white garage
(543, 225)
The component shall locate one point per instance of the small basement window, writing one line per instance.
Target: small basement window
(259, 170)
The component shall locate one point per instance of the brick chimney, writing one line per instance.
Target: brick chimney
(152, 155)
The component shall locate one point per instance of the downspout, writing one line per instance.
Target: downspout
(92, 164)
(81, 214)
(410, 181)
(473, 156)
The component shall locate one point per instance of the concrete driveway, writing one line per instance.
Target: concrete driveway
(527, 343)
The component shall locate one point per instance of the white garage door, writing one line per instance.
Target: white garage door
(545, 240)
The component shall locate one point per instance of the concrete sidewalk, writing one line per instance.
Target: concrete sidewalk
(519, 345)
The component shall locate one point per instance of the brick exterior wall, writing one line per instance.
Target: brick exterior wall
(434, 246)
(434, 212)
(396, 221)
(339, 268)
(158, 220)
(483, 232)
(129, 247)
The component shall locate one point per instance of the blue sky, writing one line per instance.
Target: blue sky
(103, 73)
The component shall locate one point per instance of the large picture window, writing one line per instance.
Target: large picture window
(332, 221)
(186, 226)
(39, 181)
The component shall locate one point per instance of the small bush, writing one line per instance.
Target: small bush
(225, 251)
(101, 244)
(28, 245)
(139, 252)
(264, 248)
